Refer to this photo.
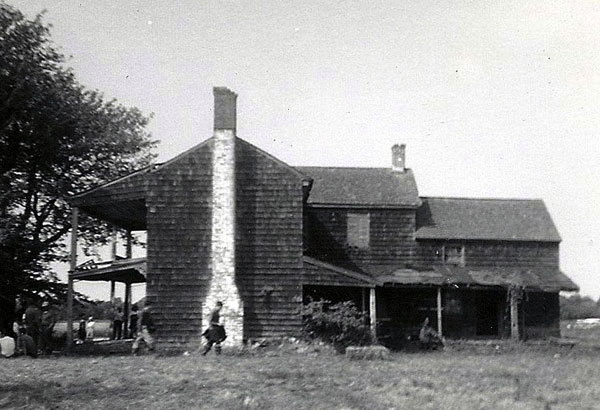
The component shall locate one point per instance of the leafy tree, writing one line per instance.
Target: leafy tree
(578, 307)
(57, 138)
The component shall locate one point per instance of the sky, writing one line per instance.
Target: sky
(493, 99)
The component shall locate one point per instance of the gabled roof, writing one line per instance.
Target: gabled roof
(485, 219)
(366, 187)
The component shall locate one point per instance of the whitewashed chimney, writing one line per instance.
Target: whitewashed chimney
(222, 283)
(398, 157)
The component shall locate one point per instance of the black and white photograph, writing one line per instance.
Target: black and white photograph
(338, 205)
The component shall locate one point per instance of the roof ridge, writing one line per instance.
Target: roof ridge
(339, 167)
(482, 198)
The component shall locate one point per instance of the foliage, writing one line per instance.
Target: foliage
(340, 324)
(56, 139)
(578, 307)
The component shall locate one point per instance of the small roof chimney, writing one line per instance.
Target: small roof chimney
(398, 157)
(225, 108)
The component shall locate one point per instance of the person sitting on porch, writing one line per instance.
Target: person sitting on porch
(429, 338)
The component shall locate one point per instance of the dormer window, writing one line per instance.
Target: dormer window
(358, 229)
(453, 254)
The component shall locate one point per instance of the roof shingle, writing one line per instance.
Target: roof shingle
(485, 219)
(376, 187)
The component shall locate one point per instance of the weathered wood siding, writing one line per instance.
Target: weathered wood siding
(391, 239)
(493, 253)
(179, 244)
(268, 243)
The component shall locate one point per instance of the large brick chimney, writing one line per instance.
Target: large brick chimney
(222, 283)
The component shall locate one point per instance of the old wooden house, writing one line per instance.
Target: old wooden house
(227, 221)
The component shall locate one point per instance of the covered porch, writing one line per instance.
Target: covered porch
(122, 205)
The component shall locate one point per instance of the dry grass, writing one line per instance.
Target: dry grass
(285, 379)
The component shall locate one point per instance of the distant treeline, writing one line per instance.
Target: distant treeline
(578, 307)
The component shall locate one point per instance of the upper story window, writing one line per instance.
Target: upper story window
(359, 225)
(453, 254)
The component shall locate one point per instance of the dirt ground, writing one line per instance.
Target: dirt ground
(292, 378)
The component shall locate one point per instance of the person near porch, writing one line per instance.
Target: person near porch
(89, 329)
(81, 331)
(215, 333)
(33, 322)
(7, 345)
(133, 322)
(146, 329)
(117, 323)
(429, 338)
(48, 322)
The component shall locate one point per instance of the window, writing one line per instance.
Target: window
(358, 229)
(454, 255)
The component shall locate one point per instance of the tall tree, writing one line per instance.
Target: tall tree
(56, 138)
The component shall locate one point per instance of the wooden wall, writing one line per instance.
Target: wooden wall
(391, 238)
(493, 253)
(179, 245)
(268, 243)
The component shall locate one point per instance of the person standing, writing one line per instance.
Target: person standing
(47, 329)
(215, 333)
(133, 322)
(117, 323)
(89, 329)
(146, 329)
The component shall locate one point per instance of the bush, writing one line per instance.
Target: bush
(340, 324)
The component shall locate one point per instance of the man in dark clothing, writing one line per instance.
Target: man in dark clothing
(133, 322)
(33, 322)
(117, 323)
(48, 322)
(215, 333)
(146, 330)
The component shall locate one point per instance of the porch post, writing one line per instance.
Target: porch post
(112, 292)
(373, 313)
(113, 244)
(126, 308)
(128, 247)
(439, 311)
(514, 315)
(72, 266)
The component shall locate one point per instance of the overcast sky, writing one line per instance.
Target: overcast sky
(493, 99)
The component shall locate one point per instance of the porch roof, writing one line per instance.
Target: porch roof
(120, 270)
(549, 280)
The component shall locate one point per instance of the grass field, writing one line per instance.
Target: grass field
(289, 379)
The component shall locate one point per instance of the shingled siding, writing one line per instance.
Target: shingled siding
(268, 243)
(179, 244)
(391, 239)
(493, 253)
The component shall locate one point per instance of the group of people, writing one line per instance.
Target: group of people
(118, 331)
(34, 329)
